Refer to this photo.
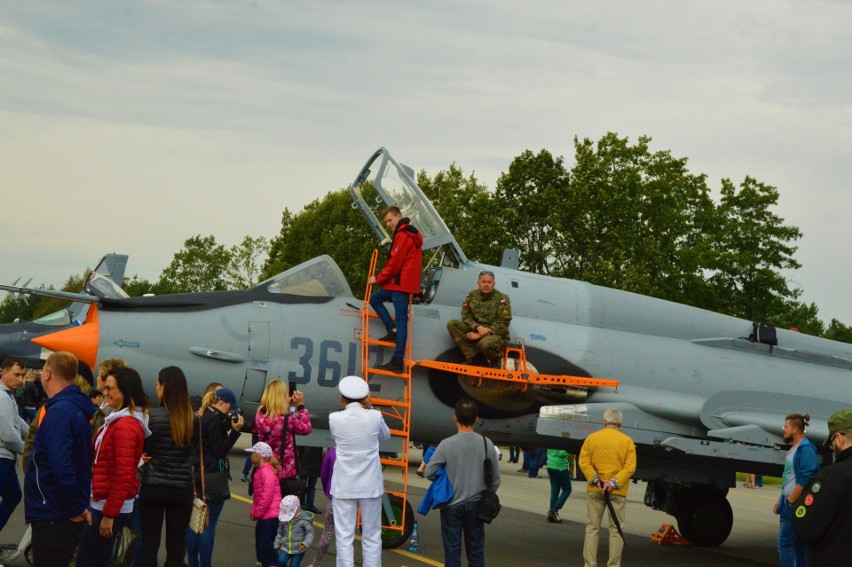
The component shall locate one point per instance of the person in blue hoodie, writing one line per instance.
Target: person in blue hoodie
(58, 476)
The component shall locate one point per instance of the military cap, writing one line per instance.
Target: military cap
(839, 421)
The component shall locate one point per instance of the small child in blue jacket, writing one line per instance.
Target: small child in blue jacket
(295, 532)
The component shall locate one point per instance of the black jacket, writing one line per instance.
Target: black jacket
(170, 465)
(217, 438)
(822, 517)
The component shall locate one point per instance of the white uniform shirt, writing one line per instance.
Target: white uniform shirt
(357, 433)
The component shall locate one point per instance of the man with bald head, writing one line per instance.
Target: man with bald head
(58, 477)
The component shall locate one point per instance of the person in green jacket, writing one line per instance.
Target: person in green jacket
(560, 482)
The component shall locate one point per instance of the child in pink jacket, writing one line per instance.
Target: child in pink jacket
(267, 499)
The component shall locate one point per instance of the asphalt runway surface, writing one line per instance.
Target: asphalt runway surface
(521, 534)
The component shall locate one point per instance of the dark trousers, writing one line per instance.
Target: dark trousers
(463, 520)
(94, 550)
(10, 490)
(54, 542)
(264, 538)
(173, 504)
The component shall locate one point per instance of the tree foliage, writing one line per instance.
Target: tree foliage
(324, 226)
(247, 257)
(752, 245)
(201, 265)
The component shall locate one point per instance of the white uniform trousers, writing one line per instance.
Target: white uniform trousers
(345, 517)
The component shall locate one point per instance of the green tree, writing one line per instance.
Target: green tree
(468, 211)
(752, 245)
(136, 286)
(801, 316)
(200, 266)
(837, 331)
(324, 226)
(523, 208)
(635, 220)
(245, 267)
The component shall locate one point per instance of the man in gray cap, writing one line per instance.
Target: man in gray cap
(822, 516)
(357, 481)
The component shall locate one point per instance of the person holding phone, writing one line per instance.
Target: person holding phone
(282, 415)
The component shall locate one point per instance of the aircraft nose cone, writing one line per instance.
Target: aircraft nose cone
(82, 341)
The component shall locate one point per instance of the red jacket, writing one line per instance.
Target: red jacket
(114, 477)
(405, 260)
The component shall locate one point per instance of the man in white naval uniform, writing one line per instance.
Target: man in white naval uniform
(357, 481)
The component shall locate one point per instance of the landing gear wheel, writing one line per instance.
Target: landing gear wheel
(706, 519)
(28, 554)
(391, 539)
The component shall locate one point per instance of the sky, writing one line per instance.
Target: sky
(132, 126)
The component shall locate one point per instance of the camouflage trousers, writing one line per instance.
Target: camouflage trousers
(491, 347)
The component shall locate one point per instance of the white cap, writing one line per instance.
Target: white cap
(354, 388)
(261, 448)
(287, 508)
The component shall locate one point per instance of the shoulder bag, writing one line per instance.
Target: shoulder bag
(489, 504)
(291, 484)
(200, 518)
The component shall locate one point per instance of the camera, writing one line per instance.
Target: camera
(235, 414)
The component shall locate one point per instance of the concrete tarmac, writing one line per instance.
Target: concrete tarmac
(521, 534)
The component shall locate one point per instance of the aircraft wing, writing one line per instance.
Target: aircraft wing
(56, 294)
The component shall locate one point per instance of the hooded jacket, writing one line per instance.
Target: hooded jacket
(267, 493)
(405, 260)
(58, 476)
(12, 427)
(297, 531)
(118, 448)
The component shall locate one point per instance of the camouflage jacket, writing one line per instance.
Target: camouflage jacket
(493, 311)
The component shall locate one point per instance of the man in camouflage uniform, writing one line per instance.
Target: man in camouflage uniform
(484, 327)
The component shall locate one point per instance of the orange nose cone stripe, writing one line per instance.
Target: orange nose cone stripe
(82, 341)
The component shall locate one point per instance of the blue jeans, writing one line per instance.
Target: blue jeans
(199, 548)
(264, 538)
(10, 490)
(400, 311)
(295, 559)
(458, 520)
(793, 553)
(95, 551)
(560, 488)
(536, 458)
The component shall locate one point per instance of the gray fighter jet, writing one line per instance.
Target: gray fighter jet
(701, 400)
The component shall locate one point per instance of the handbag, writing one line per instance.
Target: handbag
(125, 547)
(199, 520)
(489, 504)
(291, 484)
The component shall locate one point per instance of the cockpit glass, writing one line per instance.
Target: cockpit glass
(61, 317)
(102, 286)
(319, 277)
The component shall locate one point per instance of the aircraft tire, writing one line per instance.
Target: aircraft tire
(706, 519)
(391, 539)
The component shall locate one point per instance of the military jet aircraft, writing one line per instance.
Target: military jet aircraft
(700, 399)
(103, 281)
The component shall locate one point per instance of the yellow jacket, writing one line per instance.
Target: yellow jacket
(608, 454)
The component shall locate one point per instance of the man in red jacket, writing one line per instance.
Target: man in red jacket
(399, 279)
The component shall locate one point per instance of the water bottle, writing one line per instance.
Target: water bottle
(414, 540)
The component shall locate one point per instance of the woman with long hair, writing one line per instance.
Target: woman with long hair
(277, 427)
(117, 450)
(167, 474)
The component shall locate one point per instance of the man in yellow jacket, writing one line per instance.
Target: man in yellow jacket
(608, 460)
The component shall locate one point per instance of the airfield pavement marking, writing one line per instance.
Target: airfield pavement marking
(399, 551)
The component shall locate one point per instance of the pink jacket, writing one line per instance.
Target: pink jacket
(267, 493)
(272, 432)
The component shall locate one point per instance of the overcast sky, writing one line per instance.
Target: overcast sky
(131, 126)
